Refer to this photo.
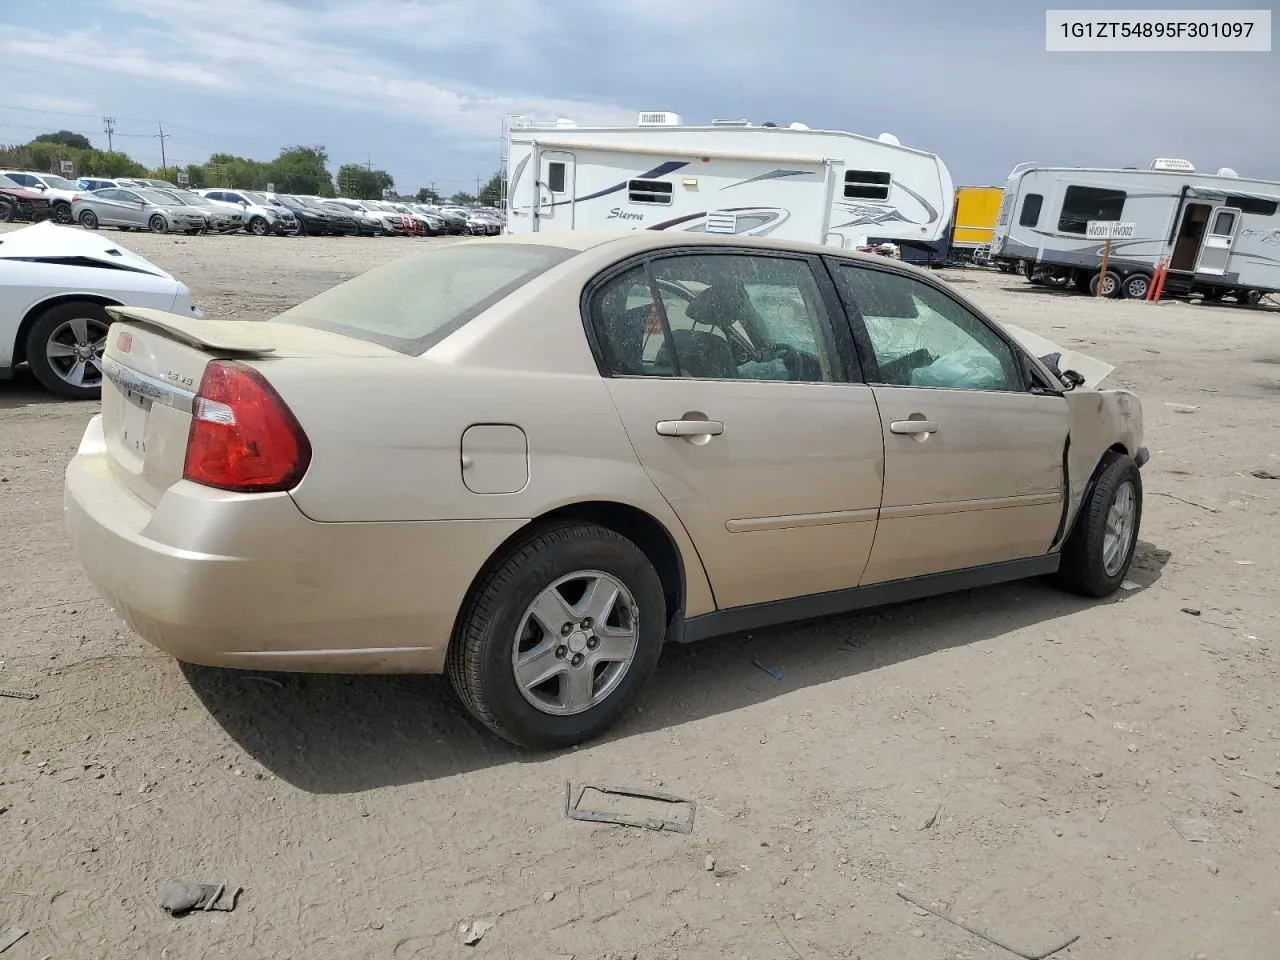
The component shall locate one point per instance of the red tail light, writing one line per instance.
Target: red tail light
(243, 436)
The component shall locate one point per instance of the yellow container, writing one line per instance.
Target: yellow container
(976, 211)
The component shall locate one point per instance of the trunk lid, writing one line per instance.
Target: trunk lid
(152, 366)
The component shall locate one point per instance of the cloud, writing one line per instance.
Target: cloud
(81, 47)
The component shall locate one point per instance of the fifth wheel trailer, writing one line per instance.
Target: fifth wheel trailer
(733, 177)
(1218, 234)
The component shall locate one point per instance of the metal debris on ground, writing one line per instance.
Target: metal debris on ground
(574, 811)
(1191, 610)
(771, 671)
(1196, 830)
(1026, 955)
(1266, 475)
(179, 897)
(19, 694)
(10, 937)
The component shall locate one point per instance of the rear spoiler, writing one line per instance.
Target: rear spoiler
(224, 336)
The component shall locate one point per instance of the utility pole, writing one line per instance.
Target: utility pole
(109, 128)
(477, 186)
(163, 165)
(368, 161)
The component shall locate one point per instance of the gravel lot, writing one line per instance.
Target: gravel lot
(1052, 740)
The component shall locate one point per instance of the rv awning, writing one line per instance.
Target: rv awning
(676, 152)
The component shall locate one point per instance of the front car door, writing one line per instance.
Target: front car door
(973, 448)
(132, 209)
(740, 398)
(1215, 252)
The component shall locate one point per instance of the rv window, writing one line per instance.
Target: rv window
(1224, 225)
(866, 184)
(1254, 205)
(648, 191)
(555, 177)
(1082, 204)
(1030, 215)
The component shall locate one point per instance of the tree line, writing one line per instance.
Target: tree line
(298, 169)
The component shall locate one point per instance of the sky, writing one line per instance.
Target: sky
(420, 87)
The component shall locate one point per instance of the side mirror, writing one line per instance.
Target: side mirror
(41, 187)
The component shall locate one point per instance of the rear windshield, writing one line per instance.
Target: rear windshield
(410, 305)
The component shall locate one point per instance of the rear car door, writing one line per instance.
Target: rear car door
(973, 449)
(740, 398)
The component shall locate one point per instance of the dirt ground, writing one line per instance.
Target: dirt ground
(1049, 741)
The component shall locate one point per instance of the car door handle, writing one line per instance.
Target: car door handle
(690, 428)
(913, 427)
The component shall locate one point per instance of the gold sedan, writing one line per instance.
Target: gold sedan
(529, 462)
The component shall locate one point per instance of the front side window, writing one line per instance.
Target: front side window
(717, 317)
(1082, 204)
(920, 337)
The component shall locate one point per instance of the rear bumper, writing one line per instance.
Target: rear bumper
(247, 581)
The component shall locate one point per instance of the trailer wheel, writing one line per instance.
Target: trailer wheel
(1136, 286)
(1248, 297)
(1110, 284)
(1081, 281)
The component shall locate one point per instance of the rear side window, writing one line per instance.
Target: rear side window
(410, 305)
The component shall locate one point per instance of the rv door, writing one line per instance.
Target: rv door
(1215, 252)
(556, 170)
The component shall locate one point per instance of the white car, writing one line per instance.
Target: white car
(55, 283)
(59, 190)
(261, 216)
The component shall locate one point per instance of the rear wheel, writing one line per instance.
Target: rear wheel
(62, 212)
(558, 637)
(1097, 555)
(158, 223)
(88, 220)
(1136, 286)
(64, 349)
(1110, 284)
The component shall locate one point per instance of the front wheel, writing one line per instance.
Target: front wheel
(62, 212)
(7, 211)
(1097, 555)
(259, 227)
(88, 220)
(158, 223)
(557, 638)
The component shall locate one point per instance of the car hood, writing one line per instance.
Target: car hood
(1094, 371)
(48, 241)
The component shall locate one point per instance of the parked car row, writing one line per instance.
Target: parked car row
(161, 206)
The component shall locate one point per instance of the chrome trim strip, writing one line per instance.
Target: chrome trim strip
(153, 388)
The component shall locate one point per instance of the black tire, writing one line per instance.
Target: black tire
(158, 223)
(38, 340)
(1083, 569)
(1136, 286)
(259, 227)
(89, 220)
(7, 211)
(1248, 297)
(1111, 286)
(62, 212)
(1080, 280)
(479, 662)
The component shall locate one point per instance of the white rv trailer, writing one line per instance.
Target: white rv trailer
(1219, 233)
(839, 189)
